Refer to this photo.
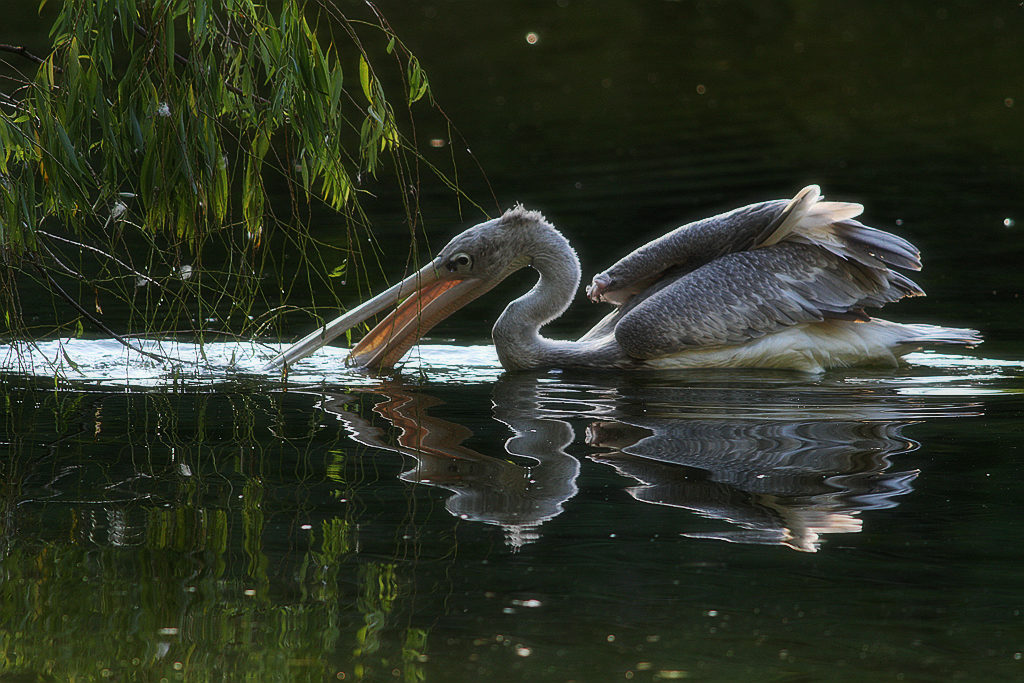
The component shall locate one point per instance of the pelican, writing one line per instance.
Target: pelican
(778, 284)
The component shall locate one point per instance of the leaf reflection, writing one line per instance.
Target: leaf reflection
(781, 464)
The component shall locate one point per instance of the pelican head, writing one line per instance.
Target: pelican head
(471, 264)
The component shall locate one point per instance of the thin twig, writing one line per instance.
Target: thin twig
(97, 322)
(22, 51)
(101, 253)
(451, 125)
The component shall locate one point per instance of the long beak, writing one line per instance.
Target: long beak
(434, 296)
(385, 344)
(349, 319)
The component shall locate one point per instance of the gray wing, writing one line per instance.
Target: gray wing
(746, 295)
(689, 247)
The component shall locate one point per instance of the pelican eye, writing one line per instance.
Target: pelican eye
(459, 261)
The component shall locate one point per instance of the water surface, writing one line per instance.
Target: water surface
(196, 519)
(561, 526)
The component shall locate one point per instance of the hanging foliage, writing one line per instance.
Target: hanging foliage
(152, 129)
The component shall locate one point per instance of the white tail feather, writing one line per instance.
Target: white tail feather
(924, 334)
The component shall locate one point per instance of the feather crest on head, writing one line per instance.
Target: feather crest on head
(519, 214)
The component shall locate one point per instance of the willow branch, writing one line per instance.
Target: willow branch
(183, 60)
(101, 253)
(96, 321)
(22, 51)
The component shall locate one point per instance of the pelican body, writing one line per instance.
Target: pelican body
(778, 284)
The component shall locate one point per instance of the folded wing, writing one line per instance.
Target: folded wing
(750, 272)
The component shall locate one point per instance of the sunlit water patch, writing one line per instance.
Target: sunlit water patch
(933, 359)
(957, 375)
(156, 363)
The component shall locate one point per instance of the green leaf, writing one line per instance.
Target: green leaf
(202, 10)
(364, 77)
(67, 358)
(418, 83)
(169, 42)
(339, 271)
(220, 192)
(69, 149)
(336, 89)
(114, 114)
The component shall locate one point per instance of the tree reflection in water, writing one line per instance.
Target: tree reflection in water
(781, 466)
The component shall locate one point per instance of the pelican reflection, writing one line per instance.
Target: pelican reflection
(778, 463)
(779, 483)
(518, 495)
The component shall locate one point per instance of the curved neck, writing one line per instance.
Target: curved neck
(516, 333)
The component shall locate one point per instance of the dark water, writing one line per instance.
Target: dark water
(453, 523)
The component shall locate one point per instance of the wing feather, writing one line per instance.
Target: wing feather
(691, 246)
(803, 220)
(748, 294)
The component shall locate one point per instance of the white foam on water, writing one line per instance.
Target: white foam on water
(107, 362)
